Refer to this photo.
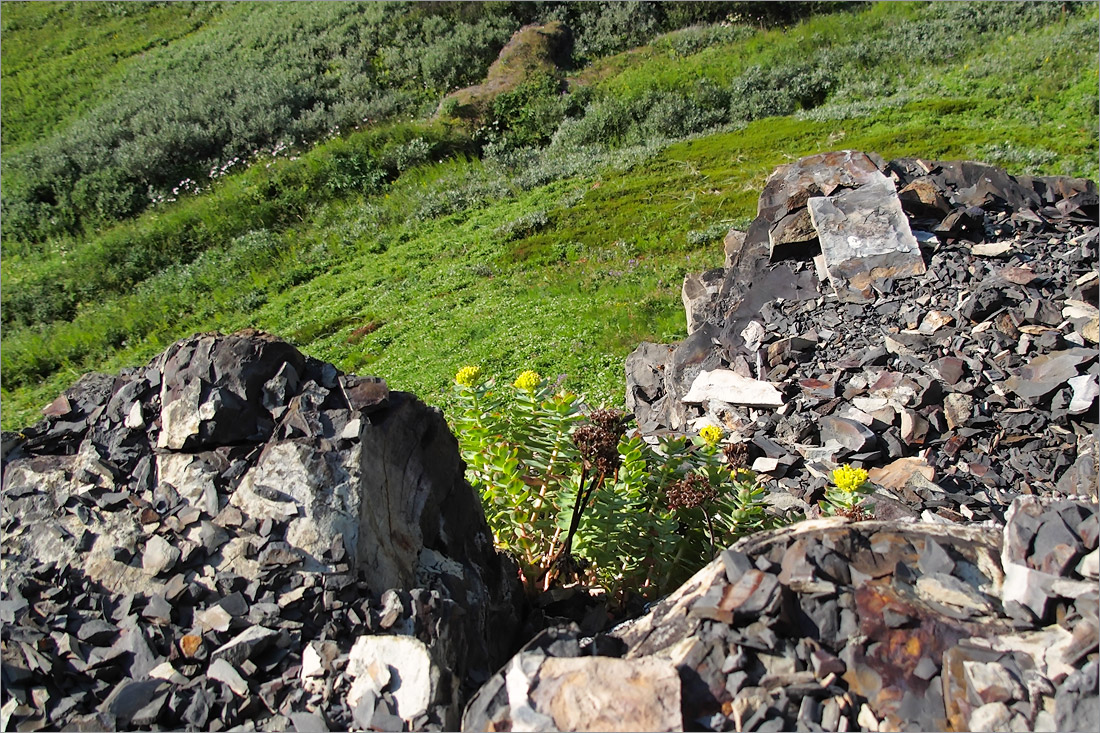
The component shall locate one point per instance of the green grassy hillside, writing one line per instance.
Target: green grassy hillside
(554, 236)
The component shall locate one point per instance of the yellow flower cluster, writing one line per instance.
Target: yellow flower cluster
(468, 376)
(711, 434)
(528, 380)
(849, 480)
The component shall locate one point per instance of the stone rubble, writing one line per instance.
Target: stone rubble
(238, 537)
(210, 542)
(835, 625)
(979, 368)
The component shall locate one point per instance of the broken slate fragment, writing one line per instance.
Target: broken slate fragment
(866, 239)
(159, 556)
(1085, 391)
(223, 671)
(1047, 372)
(730, 387)
(847, 432)
(245, 644)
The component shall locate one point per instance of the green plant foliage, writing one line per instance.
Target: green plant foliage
(367, 246)
(573, 498)
(847, 496)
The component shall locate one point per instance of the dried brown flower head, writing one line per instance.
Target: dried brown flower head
(690, 491)
(737, 455)
(598, 441)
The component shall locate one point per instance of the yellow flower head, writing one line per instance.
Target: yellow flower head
(528, 381)
(849, 480)
(468, 376)
(711, 434)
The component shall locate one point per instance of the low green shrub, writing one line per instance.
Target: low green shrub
(574, 498)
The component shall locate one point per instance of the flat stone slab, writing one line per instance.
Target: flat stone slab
(728, 386)
(603, 693)
(865, 238)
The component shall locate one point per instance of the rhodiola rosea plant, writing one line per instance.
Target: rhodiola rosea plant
(575, 496)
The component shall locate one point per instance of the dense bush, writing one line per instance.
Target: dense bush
(52, 288)
(256, 76)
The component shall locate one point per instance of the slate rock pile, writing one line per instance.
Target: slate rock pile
(834, 625)
(235, 535)
(934, 323)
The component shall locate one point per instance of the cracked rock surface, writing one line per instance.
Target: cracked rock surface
(215, 540)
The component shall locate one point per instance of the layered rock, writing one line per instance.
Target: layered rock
(833, 625)
(935, 323)
(178, 539)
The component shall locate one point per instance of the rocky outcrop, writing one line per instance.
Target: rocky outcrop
(935, 323)
(834, 625)
(231, 534)
(533, 50)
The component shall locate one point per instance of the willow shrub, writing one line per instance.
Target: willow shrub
(574, 497)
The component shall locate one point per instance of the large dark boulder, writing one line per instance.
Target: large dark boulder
(209, 538)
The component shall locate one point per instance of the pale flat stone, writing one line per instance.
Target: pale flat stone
(165, 671)
(1089, 567)
(865, 237)
(730, 387)
(992, 682)
(214, 618)
(994, 716)
(223, 671)
(159, 556)
(957, 407)
(405, 655)
(951, 591)
(992, 249)
(608, 694)
(934, 321)
(1085, 391)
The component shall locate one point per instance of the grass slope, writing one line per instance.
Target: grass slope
(563, 258)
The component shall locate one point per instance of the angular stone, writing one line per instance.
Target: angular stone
(848, 433)
(994, 716)
(790, 235)
(866, 239)
(245, 644)
(603, 693)
(160, 556)
(191, 644)
(897, 474)
(1085, 391)
(991, 682)
(1047, 372)
(957, 408)
(729, 387)
(935, 320)
(949, 590)
(948, 369)
(697, 293)
(223, 671)
(914, 427)
(412, 666)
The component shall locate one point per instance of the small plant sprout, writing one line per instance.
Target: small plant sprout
(846, 497)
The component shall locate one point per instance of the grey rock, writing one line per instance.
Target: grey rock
(865, 237)
(244, 645)
(1047, 372)
(847, 433)
(223, 671)
(1077, 702)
